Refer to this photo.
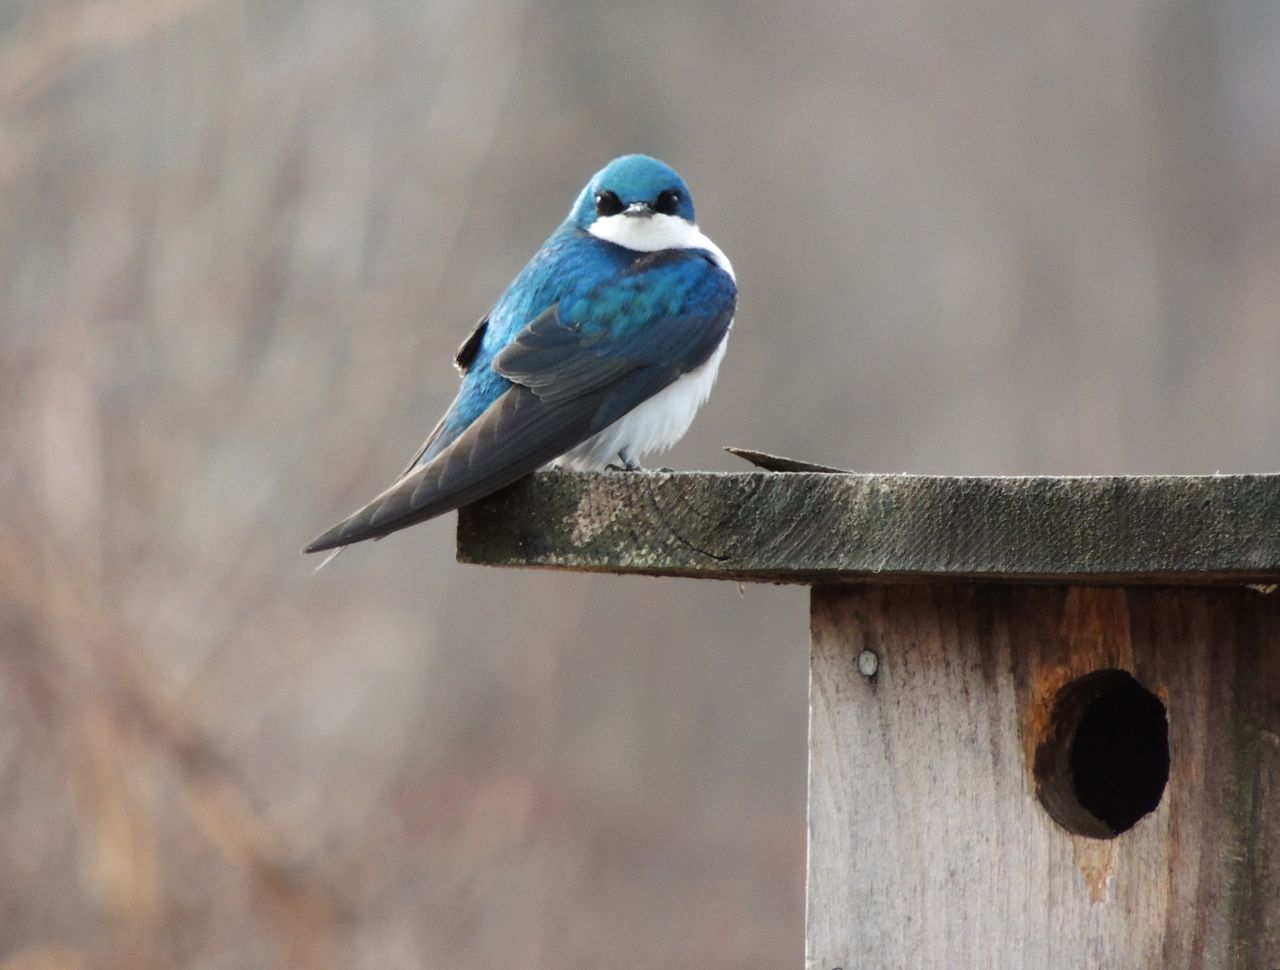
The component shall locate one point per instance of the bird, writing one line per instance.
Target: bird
(599, 353)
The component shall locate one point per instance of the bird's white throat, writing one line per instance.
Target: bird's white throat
(657, 232)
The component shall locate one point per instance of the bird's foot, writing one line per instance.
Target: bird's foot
(625, 463)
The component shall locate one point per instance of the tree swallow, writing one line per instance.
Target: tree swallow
(599, 353)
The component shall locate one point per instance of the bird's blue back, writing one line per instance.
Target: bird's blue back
(568, 271)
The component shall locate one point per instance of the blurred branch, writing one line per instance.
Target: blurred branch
(100, 682)
(50, 44)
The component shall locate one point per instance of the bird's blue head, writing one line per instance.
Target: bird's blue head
(633, 195)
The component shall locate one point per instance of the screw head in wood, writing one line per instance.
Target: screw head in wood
(868, 663)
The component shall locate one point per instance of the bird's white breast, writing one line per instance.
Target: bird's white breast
(656, 424)
(652, 426)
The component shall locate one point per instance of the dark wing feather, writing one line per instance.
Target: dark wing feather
(574, 373)
(557, 361)
(516, 435)
(417, 455)
(470, 347)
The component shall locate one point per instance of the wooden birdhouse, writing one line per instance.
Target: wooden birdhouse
(1044, 712)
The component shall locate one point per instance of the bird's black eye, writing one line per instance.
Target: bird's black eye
(608, 204)
(667, 203)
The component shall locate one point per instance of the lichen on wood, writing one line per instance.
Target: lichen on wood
(821, 527)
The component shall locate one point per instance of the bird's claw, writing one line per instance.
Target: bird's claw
(625, 464)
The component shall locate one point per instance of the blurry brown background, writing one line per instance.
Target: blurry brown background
(239, 242)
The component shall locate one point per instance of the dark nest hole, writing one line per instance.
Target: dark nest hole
(1104, 761)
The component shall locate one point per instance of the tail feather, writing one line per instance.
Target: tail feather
(328, 559)
(518, 434)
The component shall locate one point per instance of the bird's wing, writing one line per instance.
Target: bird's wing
(576, 368)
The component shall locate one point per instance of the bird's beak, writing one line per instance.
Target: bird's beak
(640, 210)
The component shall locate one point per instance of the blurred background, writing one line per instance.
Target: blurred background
(239, 243)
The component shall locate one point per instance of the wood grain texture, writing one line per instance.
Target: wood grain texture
(821, 528)
(928, 849)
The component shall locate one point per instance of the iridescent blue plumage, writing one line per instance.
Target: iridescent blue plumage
(600, 350)
(570, 258)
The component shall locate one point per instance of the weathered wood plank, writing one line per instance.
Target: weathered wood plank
(815, 528)
(928, 848)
